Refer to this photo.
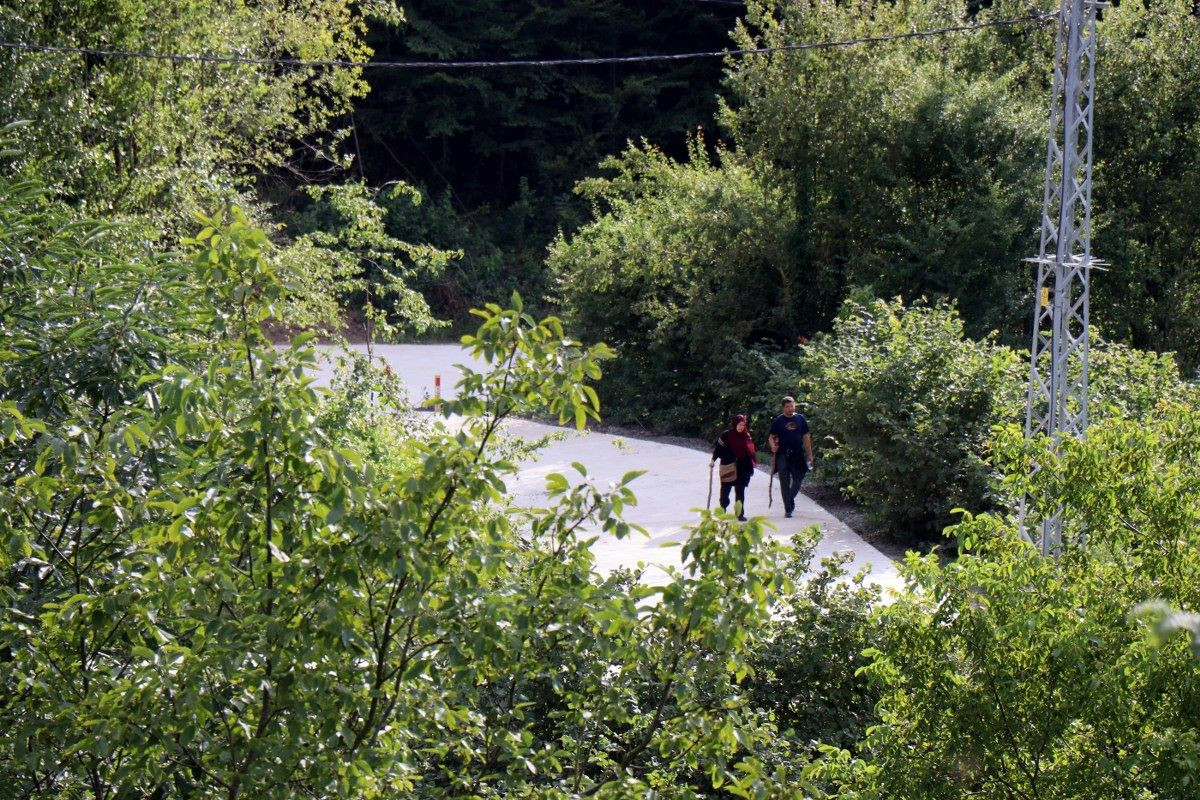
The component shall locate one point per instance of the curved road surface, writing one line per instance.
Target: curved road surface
(673, 486)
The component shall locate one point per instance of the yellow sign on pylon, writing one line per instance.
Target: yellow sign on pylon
(1045, 297)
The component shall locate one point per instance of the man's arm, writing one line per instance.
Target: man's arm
(808, 447)
(773, 440)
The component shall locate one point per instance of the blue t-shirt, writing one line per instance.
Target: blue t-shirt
(790, 431)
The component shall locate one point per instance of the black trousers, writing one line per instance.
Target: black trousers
(792, 468)
(739, 494)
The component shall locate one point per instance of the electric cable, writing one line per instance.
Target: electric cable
(550, 62)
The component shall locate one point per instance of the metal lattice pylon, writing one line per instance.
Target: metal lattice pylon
(1058, 371)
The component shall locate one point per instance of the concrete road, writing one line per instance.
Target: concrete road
(418, 365)
(668, 494)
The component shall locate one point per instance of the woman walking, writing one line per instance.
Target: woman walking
(734, 449)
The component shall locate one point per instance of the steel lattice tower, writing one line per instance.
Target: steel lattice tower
(1058, 371)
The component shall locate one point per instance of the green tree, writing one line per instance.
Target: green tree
(652, 276)
(1005, 674)
(344, 262)
(903, 404)
(918, 165)
(1147, 143)
(915, 166)
(168, 138)
(903, 168)
(211, 587)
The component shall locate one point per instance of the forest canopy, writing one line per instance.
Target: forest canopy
(910, 168)
(218, 580)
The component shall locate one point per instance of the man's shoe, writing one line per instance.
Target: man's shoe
(787, 514)
(741, 519)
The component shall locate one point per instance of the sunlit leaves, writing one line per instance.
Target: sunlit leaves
(1012, 673)
(681, 263)
(343, 260)
(166, 138)
(219, 582)
(903, 405)
(544, 371)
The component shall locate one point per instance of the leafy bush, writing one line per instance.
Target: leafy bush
(678, 270)
(1013, 675)
(211, 588)
(809, 674)
(903, 405)
(1127, 383)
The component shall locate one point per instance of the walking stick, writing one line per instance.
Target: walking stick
(708, 503)
(771, 480)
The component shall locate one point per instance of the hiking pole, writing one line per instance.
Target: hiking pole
(771, 480)
(708, 502)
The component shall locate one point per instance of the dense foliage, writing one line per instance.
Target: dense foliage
(810, 673)
(905, 404)
(166, 137)
(155, 141)
(499, 149)
(343, 260)
(218, 581)
(1005, 674)
(1147, 142)
(915, 166)
(911, 168)
(677, 312)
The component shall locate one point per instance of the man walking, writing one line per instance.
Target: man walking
(792, 446)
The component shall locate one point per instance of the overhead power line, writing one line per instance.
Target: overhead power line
(551, 62)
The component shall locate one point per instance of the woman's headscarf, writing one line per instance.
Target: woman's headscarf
(740, 443)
